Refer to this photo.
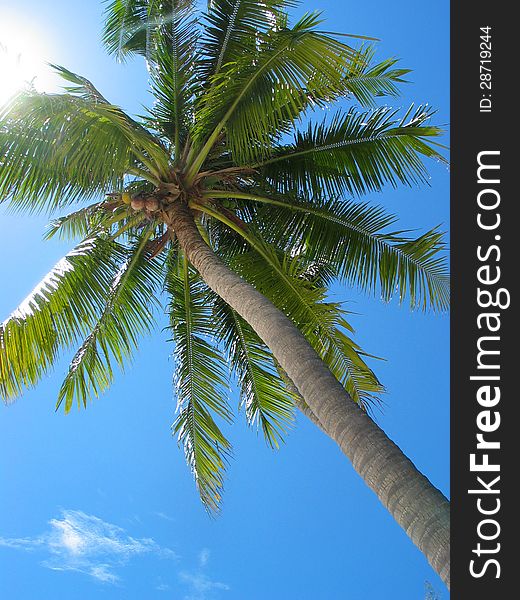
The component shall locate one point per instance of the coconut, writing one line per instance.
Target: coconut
(152, 204)
(137, 203)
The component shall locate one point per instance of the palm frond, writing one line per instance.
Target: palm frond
(91, 220)
(125, 28)
(232, 25)
(83, 88)
(201, 381)
(59, 149)
(268, 405)
(288, 282)
(129, 303)
(367, 81)
(130, 25)
(353, 240)
(355, 153)
(172, 64)
(285, 282)
(86, 90)
(260, 95)
(79, 223)
(58, 312)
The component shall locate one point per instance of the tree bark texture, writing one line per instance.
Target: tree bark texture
(419, 508)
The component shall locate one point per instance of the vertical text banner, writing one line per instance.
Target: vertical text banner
(485, 242)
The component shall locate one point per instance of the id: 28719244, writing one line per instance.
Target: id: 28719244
(485, 70)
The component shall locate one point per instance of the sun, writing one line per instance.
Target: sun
(22, 59)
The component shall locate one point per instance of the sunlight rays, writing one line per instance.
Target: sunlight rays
(23, 54)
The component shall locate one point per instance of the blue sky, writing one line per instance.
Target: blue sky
(99, 503)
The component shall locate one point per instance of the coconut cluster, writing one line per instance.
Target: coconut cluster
(148, 203)
(144, 201)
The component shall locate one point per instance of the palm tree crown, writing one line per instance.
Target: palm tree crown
(235, 134)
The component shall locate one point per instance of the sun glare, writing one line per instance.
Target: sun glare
(23, 58)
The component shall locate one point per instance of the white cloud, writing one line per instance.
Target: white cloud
(87, 544)
(163, 587)
(201, 587)
(164, 516)
(77, 541)
(103, 573)
(204, 555)
(68, 538)
(21, 543)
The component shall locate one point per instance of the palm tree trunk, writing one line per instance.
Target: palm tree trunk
(299, 402)
(419, 508)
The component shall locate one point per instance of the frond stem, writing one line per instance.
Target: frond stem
(203, 153)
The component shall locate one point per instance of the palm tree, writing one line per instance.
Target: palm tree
(228, 199)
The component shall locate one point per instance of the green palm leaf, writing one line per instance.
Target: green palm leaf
(130, 25)
(262, 94)
(284, 281)
(290, 284)
(59, 149)
(91, 220)
(201, 380)
(355, 153)
(129, 302)
(354, 241)
(367, 81)
(86, 90)
(268, 404)
(58, 312)
(172, 64)
(231, 25)
(81, 223)
(83, 88)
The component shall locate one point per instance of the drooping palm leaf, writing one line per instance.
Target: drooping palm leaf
(94, 219)
(59, 149)
(84, 88)
(58, 312)
(201, 380)
(354, 239)
(323, 323)
(129, 303)
(79, 223)
(285, 281)
(268, 404)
